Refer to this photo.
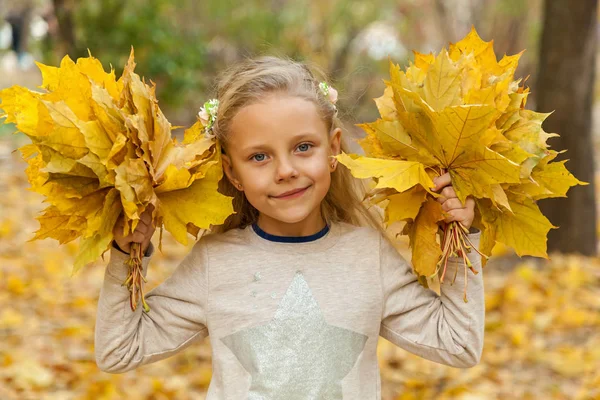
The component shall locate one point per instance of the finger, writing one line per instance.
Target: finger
(452, 204)
(145, 220)
(470, 203)
(146, 216)
(460, 215)
(441, 181)
(125, 246)
(453, 215)
(448, 192)
(141, 228)
(138, 237)
(142, 224)
(145, 227)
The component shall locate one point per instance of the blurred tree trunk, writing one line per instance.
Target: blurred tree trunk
(19, 17)
(566, 84)
(63, 10)
(341, 58)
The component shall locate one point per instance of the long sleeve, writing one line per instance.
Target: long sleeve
(126, 339)
(442, 328)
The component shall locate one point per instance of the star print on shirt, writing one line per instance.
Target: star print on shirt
(297, 355)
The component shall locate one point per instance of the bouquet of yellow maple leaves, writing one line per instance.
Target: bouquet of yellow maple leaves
(101, 147)
(461, 112)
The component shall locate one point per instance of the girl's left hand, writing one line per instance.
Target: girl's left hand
(463, 213)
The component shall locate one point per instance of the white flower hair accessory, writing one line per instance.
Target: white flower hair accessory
(208, 115)
(329, 92)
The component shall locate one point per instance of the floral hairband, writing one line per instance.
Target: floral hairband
(329, 92)
(208, 115)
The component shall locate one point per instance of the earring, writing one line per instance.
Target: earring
(333, 164)
(239, 186)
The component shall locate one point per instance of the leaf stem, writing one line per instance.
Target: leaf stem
(135, 279)
(456, 242)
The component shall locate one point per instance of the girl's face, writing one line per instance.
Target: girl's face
(276, 147)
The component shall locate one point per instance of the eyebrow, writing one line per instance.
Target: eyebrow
(295, 138)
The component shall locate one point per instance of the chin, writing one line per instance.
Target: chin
(290, 216)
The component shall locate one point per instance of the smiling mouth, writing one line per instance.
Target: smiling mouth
(291, 194)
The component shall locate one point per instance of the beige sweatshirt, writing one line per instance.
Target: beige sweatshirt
(292, 320)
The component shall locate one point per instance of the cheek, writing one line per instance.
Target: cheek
(321, 169)
(320, 173)
(256, 181)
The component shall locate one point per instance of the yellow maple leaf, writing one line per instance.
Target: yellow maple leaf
(400, 175)
(461, 111)
(406, 205)
(426, 250)
(389, 138)
(101, 147)
(524, 229)
(199, 204)
(385, 105)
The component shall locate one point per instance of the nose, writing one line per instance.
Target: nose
(285, 170)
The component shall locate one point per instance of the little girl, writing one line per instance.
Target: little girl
(294, 289)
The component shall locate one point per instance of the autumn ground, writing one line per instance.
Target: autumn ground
(542, 324)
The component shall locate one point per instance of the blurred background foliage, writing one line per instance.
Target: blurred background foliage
(183, 44)
(542, 317)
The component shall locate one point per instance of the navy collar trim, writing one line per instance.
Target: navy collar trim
(289, 239)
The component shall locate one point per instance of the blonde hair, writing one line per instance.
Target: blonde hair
(250, 81)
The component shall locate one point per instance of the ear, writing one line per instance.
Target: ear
(335, 144)
(229, 171)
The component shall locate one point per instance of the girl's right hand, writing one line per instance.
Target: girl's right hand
(142, 234)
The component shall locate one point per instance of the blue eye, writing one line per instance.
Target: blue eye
(258, 157)
(304, 147)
